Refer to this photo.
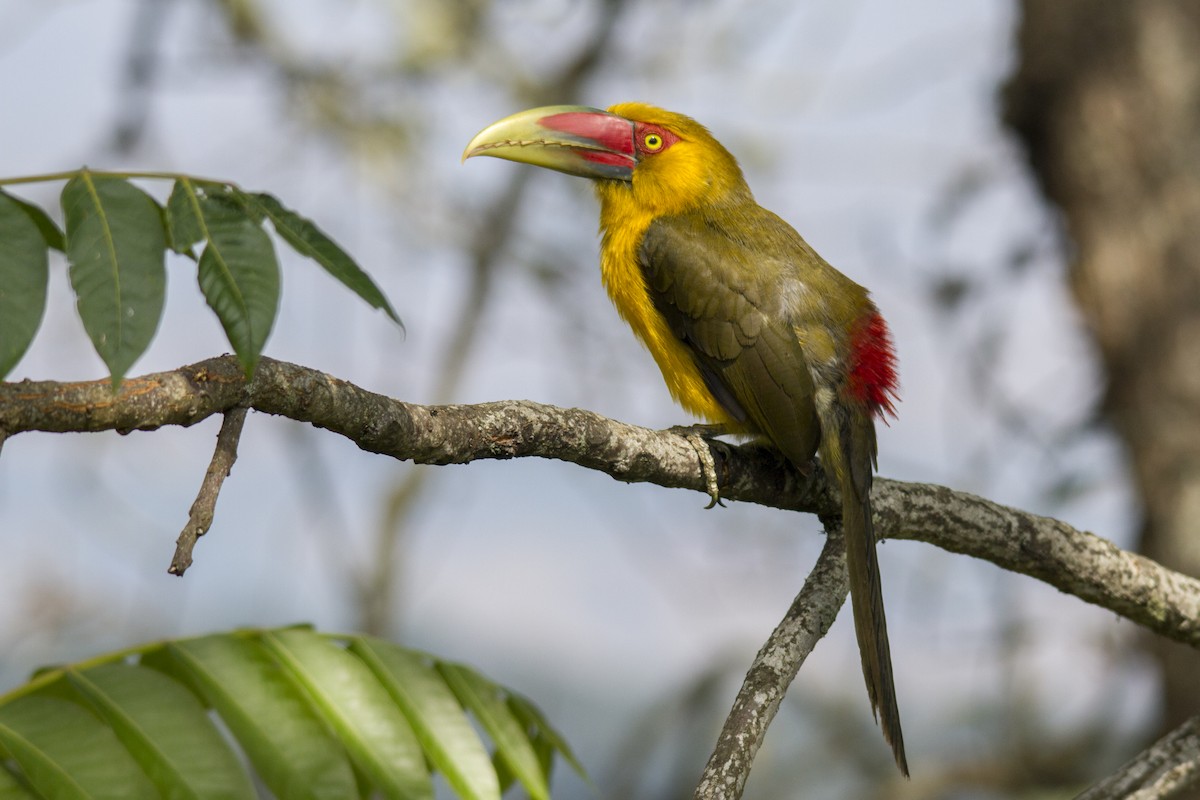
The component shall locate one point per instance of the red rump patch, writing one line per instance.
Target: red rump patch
(873, 366)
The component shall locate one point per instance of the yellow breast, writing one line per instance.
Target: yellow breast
(626, 286)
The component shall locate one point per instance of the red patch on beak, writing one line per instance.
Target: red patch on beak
(613, 133)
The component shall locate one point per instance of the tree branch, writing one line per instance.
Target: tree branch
(1073, 561)
(200, 515)
(1166, 768)
(772, 672)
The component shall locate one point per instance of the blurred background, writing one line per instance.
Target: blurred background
(1046, 372)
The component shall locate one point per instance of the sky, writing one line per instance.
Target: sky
(870, 126)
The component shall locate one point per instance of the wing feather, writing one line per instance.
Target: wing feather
(710, 289)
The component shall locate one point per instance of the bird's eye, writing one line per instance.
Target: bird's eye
(652, 142)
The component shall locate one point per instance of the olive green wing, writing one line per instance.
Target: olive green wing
(719, 294)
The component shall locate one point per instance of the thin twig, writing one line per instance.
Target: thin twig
(773, 670)
(1162, 770)
(200, 516)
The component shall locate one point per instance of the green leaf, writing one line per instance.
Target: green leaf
(445, 733)
(65, 752)
(183, 222)
(253, 208)
(358, 709)
(533, 719)
(115, 243)
(50, 232)
(309, 240)
(24, 274)
(13, 789)
(315, 719)
(238, 274)
(514, 749)
(270, 718)
(167, 731)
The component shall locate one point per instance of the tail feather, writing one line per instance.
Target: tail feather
(870, 622)
(849, 459)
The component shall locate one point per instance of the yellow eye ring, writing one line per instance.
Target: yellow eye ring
(652, 142)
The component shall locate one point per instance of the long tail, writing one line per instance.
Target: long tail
(849, 457)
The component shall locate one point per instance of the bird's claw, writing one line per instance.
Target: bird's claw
(695, 434)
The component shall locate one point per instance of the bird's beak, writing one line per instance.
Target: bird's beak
(577, 140)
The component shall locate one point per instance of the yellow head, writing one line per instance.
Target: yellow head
(656, 160)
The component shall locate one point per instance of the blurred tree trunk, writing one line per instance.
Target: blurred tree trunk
(1106, 99)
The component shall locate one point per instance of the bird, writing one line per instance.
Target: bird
(753, 331)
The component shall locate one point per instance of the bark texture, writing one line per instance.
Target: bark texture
(1106, 99)
(1091, 568)
(1076, 562)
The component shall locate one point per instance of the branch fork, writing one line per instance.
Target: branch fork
(1076, 562)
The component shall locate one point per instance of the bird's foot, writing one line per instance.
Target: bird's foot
(698, 436)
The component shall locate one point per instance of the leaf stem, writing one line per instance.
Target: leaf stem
(125, 175)
(49, 676)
